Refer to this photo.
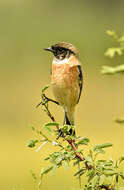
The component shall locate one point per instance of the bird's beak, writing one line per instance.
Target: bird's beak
(48, 49)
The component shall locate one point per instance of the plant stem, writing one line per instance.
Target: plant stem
(71, 142)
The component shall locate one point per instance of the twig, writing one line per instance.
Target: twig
(44, 97)
(71, 142)
(50, 100)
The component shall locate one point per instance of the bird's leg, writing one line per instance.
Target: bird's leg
(65, 122)
(60, 131)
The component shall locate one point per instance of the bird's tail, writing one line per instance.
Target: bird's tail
(69, 119)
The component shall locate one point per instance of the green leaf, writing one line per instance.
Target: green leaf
(108, 163)
(66, 129)
(45, 88)
(47, 158)
(121, 39)
(112, 51)
(98, 151)
(112, 70)
(76, 162)
(49, 130)
(102, 179)
(58, 159)
(80, 172)
(33, 175)
(121, 175)
(54, 169)
(88, 159)
(45, 170)
(83, 141)
(112, 33)
(109, 179)
(48, 125)
(121, 159)
(101, 161)
(109, 172)
(90, 174)
(100, 146)
(120, 121)
(32, 127)
(51, 124)
(95, 181)
(65, 164)
(107, 70)
(31, 143)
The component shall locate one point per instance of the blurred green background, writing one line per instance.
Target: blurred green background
(28, 26)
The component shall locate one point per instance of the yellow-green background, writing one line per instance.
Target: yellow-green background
(28, 26)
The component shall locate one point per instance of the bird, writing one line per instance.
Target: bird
(66, 78)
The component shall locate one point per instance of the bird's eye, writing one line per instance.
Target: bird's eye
(61, 50)
(53, 48)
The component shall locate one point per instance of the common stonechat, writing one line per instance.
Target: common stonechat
(67, 78)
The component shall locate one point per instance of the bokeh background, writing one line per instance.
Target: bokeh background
(28, 26)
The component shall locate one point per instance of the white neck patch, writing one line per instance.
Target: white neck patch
(57, 61)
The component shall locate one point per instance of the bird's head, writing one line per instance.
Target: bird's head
(63, 50)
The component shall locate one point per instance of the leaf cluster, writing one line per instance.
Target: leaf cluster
(113, 51)
(72, 151)
(104, 173)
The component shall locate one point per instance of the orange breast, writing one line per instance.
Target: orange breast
(65, 84)
(64, 75)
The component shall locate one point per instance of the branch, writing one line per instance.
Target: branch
(44, 102)
(112, 70)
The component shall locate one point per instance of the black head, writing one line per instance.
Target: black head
(62, 50)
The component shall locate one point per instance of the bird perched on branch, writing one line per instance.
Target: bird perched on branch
(66, 78)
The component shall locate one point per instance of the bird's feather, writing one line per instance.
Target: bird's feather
(80, 82)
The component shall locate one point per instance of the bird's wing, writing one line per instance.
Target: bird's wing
(80, 80)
